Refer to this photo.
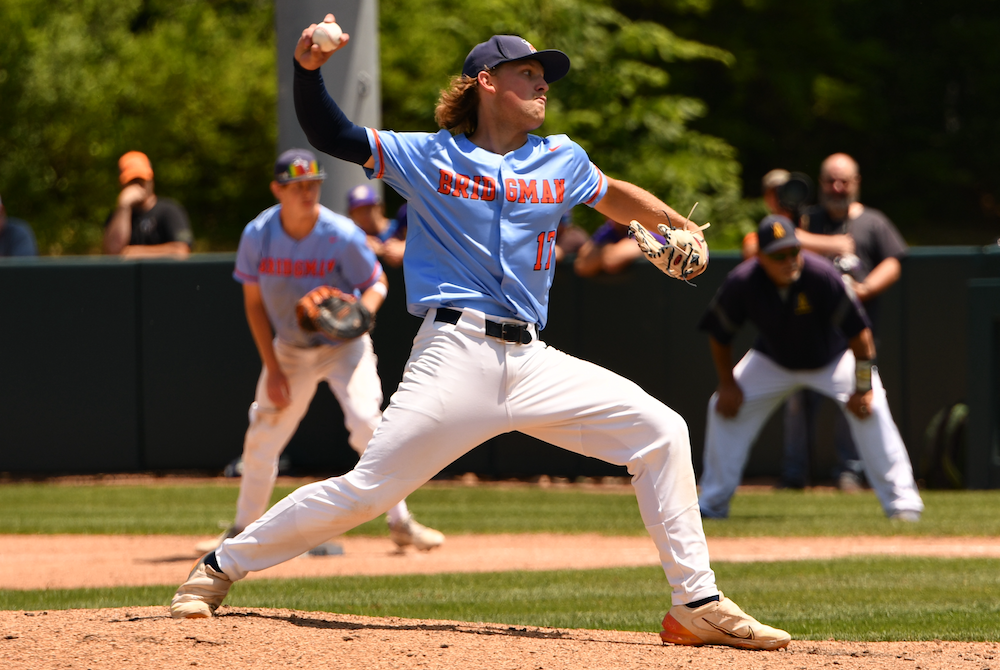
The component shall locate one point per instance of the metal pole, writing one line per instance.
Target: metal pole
(352, 77)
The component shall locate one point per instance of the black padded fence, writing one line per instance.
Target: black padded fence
(150, 366)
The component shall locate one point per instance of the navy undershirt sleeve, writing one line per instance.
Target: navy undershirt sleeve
(325, 125)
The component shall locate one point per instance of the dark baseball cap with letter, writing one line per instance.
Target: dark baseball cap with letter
(297, 165)
(776, 232)
(501, 49)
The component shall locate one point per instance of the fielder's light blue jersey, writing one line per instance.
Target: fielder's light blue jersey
(335, 253)
(482, 226)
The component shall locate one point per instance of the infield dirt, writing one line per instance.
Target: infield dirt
(259, 638)
(99, 561)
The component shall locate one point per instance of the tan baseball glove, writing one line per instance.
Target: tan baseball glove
(684, 256)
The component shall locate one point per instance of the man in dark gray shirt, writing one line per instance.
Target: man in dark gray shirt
(813, 334)
(144, 225)
(872, 266)
(878, 247)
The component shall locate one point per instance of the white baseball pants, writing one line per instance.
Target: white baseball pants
(461, 388)
(765, 385)
(350, 369)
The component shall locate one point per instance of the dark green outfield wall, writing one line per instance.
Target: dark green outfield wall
(150, 365)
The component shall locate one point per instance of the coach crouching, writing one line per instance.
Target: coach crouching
(814, 334)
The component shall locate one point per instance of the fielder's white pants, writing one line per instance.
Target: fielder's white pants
(461, 388)
(351, 371)
(765, 384)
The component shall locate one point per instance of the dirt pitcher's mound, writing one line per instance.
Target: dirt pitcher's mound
(146, 637)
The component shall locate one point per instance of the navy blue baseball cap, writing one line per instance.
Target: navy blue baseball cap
(297, 165)
(501, 49)
(776, 232)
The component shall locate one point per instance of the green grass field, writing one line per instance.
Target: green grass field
(850, 599)
(455, 509)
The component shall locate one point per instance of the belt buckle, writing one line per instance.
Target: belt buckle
(512, 332)
(509, 332)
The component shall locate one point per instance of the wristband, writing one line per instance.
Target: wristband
(863, 376)
(381, 289)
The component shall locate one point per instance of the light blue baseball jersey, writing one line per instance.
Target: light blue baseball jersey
(482, 226)
(335, 254)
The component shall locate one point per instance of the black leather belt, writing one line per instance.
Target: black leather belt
(508, 332)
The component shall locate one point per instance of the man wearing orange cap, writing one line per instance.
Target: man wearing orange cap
(143, 225)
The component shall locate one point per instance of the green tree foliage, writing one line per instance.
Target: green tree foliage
(189, 82)
(617, 100)
(909, 89)
(192, 83)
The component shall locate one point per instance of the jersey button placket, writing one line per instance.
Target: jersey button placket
(504, 224)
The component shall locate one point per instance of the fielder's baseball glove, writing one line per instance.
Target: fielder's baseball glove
(335, 314)
(684, 255)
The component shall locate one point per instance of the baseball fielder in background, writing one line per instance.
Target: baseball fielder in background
(485, 198)
(287, 251)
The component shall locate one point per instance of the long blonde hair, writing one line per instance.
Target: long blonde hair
(458, 107)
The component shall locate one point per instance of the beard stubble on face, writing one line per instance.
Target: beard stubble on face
(837, 205)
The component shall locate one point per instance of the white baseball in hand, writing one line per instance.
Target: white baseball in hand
(327, 36)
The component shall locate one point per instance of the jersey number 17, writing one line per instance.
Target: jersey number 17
(545, 239)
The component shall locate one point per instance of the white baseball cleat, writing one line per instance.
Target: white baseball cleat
(201, 594)
(721, 622)
(408, 531)
(849, 482)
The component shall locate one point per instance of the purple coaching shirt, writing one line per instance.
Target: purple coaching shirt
(804, 330)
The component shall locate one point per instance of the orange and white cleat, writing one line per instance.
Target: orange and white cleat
(720, 622)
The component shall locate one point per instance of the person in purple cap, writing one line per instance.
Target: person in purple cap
(484, 198)
(287, 251)
(813, 334)
(386, 237)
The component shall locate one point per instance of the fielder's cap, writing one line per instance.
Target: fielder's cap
(501, 49)
(361, 196)
(297, 165)
(134, 165)
(776, 232)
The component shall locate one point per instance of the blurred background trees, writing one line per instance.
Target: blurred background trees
(189, 82)
(908, 88)
(693, 99)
